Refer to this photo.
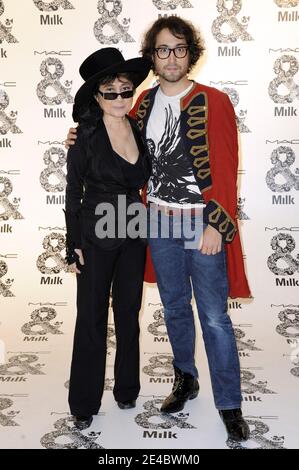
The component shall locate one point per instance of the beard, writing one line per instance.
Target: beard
(172, 76)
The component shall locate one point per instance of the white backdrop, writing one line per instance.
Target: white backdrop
(252, 54)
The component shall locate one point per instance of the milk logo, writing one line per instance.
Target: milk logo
(51, 81)
(171, 4)
(242, 113)
(41, 323)
(287, 15)
(258, 429)
(283, 245)
(5, 286)
(51, 7)
(285, 67)
(5, 31)
(54, 159)
(282, 158)
(228, 17)
(160, 424)
(74, 439)
(7, 121)
(108, 17)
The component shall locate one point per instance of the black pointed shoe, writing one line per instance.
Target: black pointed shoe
(126, 405)
(185, 388)
(236, 426)
(82, 422)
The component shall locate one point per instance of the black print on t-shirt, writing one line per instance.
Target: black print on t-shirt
(171, 169)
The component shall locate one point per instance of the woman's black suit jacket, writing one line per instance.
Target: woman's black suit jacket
(95, 175)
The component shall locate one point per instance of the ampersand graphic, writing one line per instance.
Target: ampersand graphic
(163, 363)
(53, 5)
(5, 288)
(249, 387)
(171, 4)
(111, 340)
(283, 253)
(66, 429)
(284, 78)
(10, 210)
(54, 169)
(6, 420)
(108, 18)
(42, 322)
(22, 362)
(257, 435)
(7, 122)
(52, 81)
(167, 421)
(153, 327)
(5, 30)
(227, 17)
(234, 97)
(242, 345)
(282, 168)
(53, 253)
(289, 327)
(286, 3)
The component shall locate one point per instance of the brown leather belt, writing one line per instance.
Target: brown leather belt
(173, 211)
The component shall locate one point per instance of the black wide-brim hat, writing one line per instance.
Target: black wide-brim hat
(102, 63)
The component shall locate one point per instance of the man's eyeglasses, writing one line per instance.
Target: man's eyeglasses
(164, 52)
(111, 95)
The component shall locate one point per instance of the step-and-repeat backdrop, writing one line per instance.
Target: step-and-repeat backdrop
(252, 54)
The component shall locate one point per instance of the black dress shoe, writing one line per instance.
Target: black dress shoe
(236, 426)
(185, 388)
(126, 405)
(82, 422)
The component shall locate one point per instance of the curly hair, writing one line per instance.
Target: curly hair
(179, 28)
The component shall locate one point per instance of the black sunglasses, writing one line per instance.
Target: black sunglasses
(113, 95)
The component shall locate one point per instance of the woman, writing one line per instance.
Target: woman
(108, 162)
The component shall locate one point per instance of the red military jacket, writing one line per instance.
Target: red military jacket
(209, 135)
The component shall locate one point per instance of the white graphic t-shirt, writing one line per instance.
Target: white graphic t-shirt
(172, 181)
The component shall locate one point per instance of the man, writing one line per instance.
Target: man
(192, 138)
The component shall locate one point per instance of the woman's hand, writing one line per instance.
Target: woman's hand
(71, 137)
(81, 260)
(210, 241)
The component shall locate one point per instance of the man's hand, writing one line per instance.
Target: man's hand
(81, 259)
(71, 137)
(210, 241)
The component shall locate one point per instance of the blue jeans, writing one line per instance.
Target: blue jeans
(177, 268)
